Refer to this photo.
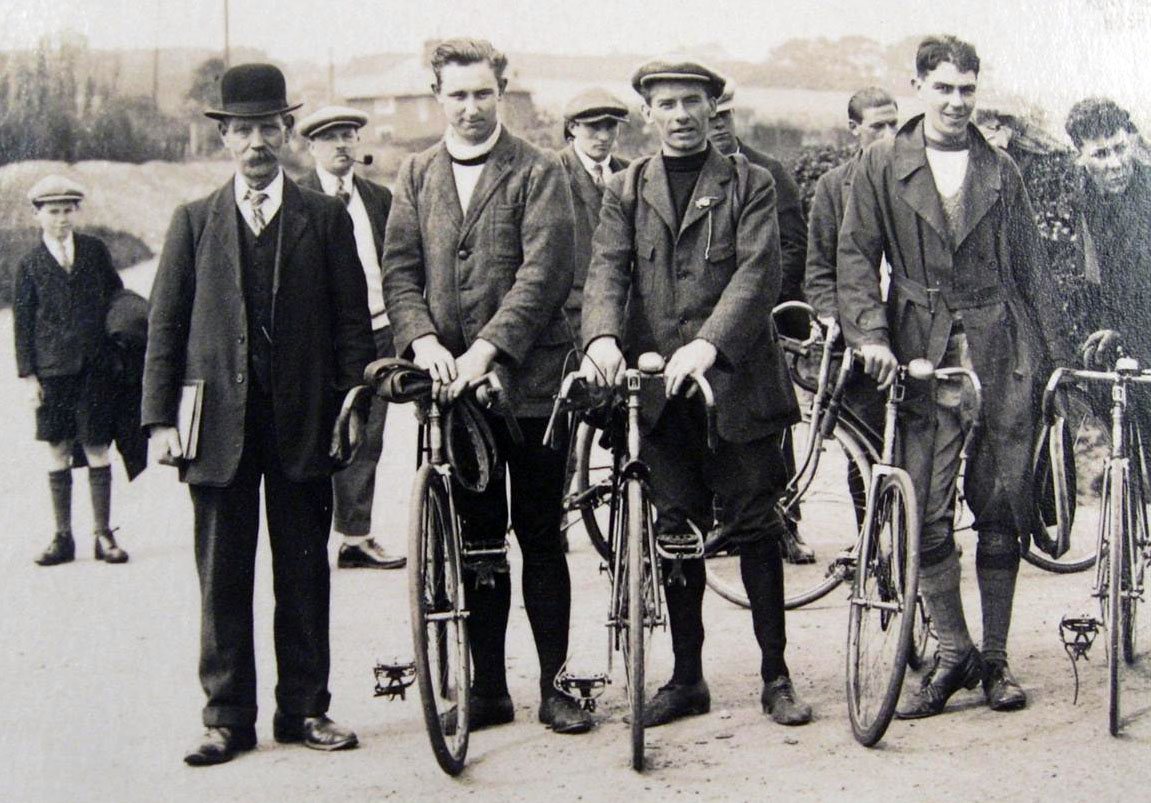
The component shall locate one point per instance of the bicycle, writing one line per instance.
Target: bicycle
(1123, 540)
(633, 549)
(437, 554)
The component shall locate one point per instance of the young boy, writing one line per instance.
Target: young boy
(63, 288)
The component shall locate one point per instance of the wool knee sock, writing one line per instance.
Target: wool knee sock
(685, 610)
(996, 572)
(488, 608)
(60, 484)
(761, 568)
(939, 585)
(100, 489)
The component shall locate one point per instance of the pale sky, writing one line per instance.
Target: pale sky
(1053, 51)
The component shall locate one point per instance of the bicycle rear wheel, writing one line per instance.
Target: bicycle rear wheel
(439, 624)
(822, 510)
(882, 607)
(591, 487)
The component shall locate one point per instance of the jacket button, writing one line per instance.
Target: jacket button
(463, 253)
(241, 338)
(239, 379)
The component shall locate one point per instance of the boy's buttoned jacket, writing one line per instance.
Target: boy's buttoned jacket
(500, 272)
(656, 287)
(58, 314)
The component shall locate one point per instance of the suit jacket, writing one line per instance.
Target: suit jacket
(992, 277)
(655, 287)
(500, 272)
(197, 329)
(586, 201)
(376, 197)
(792, 226)
(831, 193)
(58, 315)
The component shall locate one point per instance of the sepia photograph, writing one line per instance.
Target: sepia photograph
(602, 401)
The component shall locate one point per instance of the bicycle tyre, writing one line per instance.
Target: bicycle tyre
(920, 637)
(585, 440)
(635, 618)
(1115, 518)
(439, 629)
(886, 574)
(850, 443)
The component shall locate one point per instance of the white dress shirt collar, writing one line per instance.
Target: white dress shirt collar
(63, 251)
(271, 205)
(331, 182)
(590, 163)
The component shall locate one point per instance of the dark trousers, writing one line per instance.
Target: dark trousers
(748, 478)
(355, 486)
(227, 524)
(536, 473)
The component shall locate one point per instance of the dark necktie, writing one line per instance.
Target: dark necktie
(597, 175)
(343, 194)
(257, 200)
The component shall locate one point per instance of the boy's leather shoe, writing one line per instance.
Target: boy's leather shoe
(779, 700)
(483, 712)
(107, 550)
(938, 686)
(675, 701)
(61, 550)
(564, 715)
(1003, 692)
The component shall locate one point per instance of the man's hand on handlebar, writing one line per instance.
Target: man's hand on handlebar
(879, 362)
(471, 367)
(603, 364)
(694, 359)
(1099, 349)
(429, 354)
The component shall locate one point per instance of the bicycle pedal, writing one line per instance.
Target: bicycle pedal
(680, 546)
(1078, 634)
(392, 680)
(583, 690)
(485, 561)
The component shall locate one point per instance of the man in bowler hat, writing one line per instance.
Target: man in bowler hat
(333, 135)
(259, 295)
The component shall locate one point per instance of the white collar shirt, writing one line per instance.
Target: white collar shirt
(590, 163)
(271, 204)
(365, 241)
(63, 251)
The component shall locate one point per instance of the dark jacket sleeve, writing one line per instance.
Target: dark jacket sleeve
(737, 322)
(609, 272)
(544, 278)
(862, 313)
(822, 243)
(403, 267)
(24, 303)
(173, 291)
(352, 333)
(792, 235)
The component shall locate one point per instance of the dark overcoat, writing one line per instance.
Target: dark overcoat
(992, 278)
(586, 201)
(321, 333)
(377, 201)
(655, 287)
(827, 205)
(792, 226)
(500, 272)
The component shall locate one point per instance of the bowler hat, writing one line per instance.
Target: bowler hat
(331, 117)
(678, 68)
(252, 90)
(593, 105)
(55, 188)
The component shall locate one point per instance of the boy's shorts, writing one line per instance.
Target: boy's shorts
(77, 407)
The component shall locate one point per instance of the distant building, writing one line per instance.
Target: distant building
(402, 109)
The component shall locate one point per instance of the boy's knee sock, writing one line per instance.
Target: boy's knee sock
(939, 585)
(685, 612)
(996, 567)
(100, 488)
(60, 484)
(761, 568)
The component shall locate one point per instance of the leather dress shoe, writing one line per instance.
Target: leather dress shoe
(318, 733)
(61, 550)
(795, 549)
(483, 712)
(675, 701)
(938, 686)
(368, 555)
(779, 700)
(1003, 692)
(564, 715)
(220, 744)
(107, 549)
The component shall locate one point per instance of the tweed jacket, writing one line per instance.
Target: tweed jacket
(792, 226)
(827, 204)
(321, 335)
(58, 315)
(991, 278)
(376, 197)
(654, 287)
(499, 271)
(586, 201)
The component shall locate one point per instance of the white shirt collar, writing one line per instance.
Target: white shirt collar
(590, 163)
(331, 182)
(459, 149)
(274, 191)
(61, 249)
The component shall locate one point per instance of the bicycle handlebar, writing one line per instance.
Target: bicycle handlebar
(1126, 370)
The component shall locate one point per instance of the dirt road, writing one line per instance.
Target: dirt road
(101, 695)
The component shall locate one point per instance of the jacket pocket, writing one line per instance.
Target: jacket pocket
(507, 242)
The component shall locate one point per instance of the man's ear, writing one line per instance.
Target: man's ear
(222, 127)
(916, 83)
(645, 110)
(503, 85)
(289, 121)
(712, 104)
(853, 127)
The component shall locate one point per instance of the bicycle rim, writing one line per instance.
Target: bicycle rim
(880, 617)
(585, 474)
(635, 619)
(439, 629)
(1114, 591)
(921, 637)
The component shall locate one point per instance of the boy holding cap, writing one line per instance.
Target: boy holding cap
(685, 261)
(62, 291)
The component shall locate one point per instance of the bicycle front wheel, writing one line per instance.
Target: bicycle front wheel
(592, 487)
(636, 536)
(439, 623)
(1115, 582)
(921, 637)
(882, 607)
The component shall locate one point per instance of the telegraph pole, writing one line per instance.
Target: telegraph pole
(227, 41)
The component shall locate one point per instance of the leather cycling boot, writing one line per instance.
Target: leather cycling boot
(675, 701)
(779, 700)
(107, 550)
(564, 715)
(61, 550)
(1003, 692)
(938, 686)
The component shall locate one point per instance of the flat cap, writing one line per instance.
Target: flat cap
(726, 101)
(595, 104)
(55, 188)
(678, 68)
(331, 117)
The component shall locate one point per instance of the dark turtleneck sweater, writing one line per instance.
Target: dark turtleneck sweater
(682, 175)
